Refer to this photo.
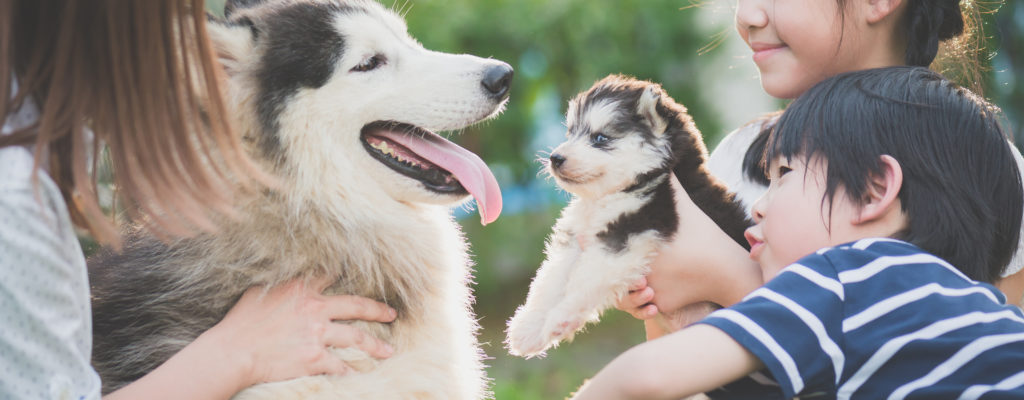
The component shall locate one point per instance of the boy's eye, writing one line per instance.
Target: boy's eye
(782, 170)
(599, 138)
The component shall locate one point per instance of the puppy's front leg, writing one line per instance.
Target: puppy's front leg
(601, 278)
(526, 335)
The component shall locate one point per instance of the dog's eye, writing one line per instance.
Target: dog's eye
(370, 64)
(599, 138)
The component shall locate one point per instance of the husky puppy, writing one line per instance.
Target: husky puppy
(626, 138)
(339, 102)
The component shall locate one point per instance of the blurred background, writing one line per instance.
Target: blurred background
(559, 48)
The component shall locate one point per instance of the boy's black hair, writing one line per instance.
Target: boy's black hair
(961, 187)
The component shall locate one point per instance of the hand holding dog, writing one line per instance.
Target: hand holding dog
(285, 333)
(268, 336)
(699, 266)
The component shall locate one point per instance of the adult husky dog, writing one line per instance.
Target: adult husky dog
(338, 102)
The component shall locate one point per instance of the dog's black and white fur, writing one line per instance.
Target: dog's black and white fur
(626, 138)
(336, 100)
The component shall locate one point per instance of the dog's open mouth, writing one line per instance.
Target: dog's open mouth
(440, 165)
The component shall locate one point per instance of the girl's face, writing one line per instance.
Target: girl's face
(798, 43)
(791, 219)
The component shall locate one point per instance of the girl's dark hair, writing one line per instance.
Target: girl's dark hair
(926, 24)
(961, 188)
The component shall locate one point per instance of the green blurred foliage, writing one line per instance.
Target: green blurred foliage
(559, 48)
(1005, 31)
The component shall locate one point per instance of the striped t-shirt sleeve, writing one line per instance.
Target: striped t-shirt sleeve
(793, 325)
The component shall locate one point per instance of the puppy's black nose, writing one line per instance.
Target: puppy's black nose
(556, 160)
(497, 80)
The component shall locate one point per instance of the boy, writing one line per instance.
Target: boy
(901, 188)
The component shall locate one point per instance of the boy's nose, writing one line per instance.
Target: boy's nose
(757, 211)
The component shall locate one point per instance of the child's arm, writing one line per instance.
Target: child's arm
(694, 360)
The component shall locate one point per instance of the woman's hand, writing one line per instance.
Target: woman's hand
(269, 335)
(285, 332)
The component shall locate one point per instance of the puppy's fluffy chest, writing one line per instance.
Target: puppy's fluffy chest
(589, 216)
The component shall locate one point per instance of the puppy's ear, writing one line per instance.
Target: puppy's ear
(233, 42)
(648, 109)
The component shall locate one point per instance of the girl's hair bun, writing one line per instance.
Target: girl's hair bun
(929, 22)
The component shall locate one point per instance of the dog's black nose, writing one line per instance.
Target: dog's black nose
(556, 160)
(497, 80)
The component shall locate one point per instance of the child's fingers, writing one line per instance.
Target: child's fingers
(638, 303)
(639, 284)
(641, 297)
(648, 311)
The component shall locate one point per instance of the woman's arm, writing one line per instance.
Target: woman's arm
(693, 360)
(266, 337)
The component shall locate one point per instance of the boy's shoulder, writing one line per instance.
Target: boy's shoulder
(865, 258)
(879, 268)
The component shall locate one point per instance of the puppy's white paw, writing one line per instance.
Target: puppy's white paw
(526, 334)
(562, 325)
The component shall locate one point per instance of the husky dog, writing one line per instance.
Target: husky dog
(338, 101)
(625, 140)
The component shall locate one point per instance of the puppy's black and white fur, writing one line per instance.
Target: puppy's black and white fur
(625, 140)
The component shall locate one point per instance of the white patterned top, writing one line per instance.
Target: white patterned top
(45, 320)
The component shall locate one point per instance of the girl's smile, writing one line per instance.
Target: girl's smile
(763, 51)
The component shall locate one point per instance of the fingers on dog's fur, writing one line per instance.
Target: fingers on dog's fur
(348, 307)
(341, 335)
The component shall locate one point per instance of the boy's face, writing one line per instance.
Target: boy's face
(792, 220)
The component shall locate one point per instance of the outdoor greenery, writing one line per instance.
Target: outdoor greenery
(558, 48)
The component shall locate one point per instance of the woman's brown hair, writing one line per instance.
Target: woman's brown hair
(141, 74)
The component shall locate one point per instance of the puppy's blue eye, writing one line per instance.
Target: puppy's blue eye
(599, 138)
(370, 64)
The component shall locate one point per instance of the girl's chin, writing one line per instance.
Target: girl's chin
(781, 88)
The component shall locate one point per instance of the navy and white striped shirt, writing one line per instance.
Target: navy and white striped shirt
(881, 319)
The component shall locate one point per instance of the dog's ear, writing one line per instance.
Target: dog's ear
(648, 109)
(233, 41)
(231, 6)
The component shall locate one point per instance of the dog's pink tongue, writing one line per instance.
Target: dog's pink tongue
(467, 167)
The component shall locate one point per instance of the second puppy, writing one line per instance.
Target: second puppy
(625, 140)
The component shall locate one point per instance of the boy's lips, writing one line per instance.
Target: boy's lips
(756, 244)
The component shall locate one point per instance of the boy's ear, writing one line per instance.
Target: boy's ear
(877, 10)
(648, 109)
(882, 191)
